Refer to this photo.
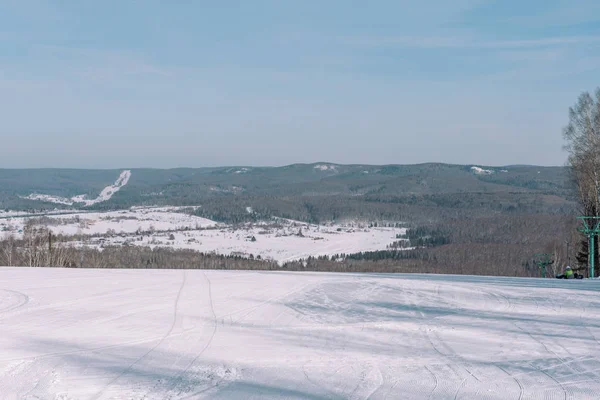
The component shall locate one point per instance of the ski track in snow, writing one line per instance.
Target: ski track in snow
(170, 334)
(11, 300)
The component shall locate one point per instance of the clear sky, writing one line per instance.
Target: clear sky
(117, 83)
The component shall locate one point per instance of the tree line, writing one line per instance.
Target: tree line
(582, 142)
(497, 245)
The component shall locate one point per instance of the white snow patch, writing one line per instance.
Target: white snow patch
(233, 189)
(50, 199)
(105, 195)
(325, 167)
(481, 171)
(242, 171)
(249, 210)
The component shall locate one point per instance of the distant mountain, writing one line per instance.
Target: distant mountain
(50, 188)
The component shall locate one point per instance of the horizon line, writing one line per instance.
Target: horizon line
(281, 166)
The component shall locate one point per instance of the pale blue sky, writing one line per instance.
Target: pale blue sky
(111, 84)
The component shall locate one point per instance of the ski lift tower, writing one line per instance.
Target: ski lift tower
(591, 228)
(542, 261)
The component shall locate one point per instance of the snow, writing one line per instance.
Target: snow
(109, 191)
(50, 199)
(249, 210)
(105, 195)
(325, 167)
(126, 221)
(282, 241)
(279, 239)
(481, 171)
(234, 189)
(174, 334)
(242, 171)
(11, 213)
(282, 244)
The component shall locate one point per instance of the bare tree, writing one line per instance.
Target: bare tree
(582, 135)
(8, 249)
(32, 248)
(41, 248)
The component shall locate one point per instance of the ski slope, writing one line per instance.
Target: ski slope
(105, 195)
(151, 334)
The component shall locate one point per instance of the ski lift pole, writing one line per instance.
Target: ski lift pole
(543, 270)
(592, 254)
(591, 228)
(542, 261)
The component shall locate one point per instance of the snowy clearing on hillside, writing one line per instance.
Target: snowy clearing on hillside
(325, 167)
(105, 195)
(156, 334)
(233, 189)
(481, 171)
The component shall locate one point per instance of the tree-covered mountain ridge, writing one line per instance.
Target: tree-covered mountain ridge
(26, 188)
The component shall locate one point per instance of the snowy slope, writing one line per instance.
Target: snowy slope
(325, 167)
(105, 195)
(131, 334)
(481, 171)
(108, 191)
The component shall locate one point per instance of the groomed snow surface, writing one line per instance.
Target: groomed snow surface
(151, 334)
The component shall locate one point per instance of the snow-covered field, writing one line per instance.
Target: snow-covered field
(281, 242)
(150, 334)
(279, 239)
(127, 221)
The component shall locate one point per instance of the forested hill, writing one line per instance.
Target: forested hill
(469, 216)
(305, 191)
